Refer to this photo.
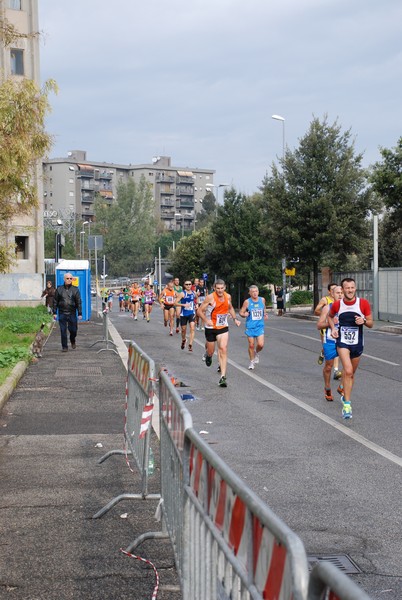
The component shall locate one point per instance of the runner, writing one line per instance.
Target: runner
(329, 343)
(126, 300)
(121, 300)
(167, 301)
(201, 294)
(149, 297)
(110, 300)
(254, 310)
(186, 301)
(178, 289)
(325, 301)
(135, 293)
(214, 311)
(353, 314)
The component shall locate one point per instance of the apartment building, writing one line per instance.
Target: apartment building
(71, 184)
(21, 59)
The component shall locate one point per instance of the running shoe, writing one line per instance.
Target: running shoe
(190, 348)
(328, 395)
(340, 390)
(337, 374)
(170, 332)
(165, 323)
(256, 359)
(135, 319)
(197, 328)
(204, 356)
(251, 365)
(320, 359)
(183, 343)
(208, 360)
(346, 410)
(147, 319)
(223, 382)
(218, 370)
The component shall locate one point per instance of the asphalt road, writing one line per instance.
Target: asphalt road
(337, 484)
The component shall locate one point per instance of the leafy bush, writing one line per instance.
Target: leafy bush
(10, 356)
(302, 297)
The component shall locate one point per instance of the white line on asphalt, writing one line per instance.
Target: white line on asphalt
(309, 337)
(345, 430)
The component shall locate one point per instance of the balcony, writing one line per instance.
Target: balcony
(163, 177)
(184, 179)
(184, 190)
(167, 214)
(185, 203)
(88, 186)
(167, 201)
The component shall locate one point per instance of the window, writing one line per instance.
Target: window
(17, 61)
(21, 247)
(207, 177)
(71, 180)
(50, 168)
(15, 4)
(71, 194)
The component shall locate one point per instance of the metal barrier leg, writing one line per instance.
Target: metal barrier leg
(151, 535)
(118, 499)
(112, 453)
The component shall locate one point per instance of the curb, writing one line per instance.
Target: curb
(11, 382)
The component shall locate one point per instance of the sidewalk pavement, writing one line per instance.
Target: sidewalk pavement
(62, 408)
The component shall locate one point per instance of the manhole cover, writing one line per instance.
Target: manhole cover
(81, 371)
(342, 561)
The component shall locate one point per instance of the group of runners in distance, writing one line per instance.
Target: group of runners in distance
(342, 318)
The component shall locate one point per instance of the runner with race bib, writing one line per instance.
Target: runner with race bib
(353, 314)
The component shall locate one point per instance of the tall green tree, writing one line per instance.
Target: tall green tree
(188, 259)
(237, 251)
(208, 213)
(316, 206)
(386, 179)
(128, 227)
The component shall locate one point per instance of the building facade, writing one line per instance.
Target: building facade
(21, 60)
(71, 184)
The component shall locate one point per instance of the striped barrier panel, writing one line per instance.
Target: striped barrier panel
(140, 390)
(329, 583)
(235, 546)
(175, 419)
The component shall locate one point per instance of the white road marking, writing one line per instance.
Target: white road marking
(309, 337)
(345, 430)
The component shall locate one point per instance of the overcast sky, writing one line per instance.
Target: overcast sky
(200, 80)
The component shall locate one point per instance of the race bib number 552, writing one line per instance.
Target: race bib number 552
(350, 335)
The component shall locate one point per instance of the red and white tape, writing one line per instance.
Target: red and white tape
(148, 562)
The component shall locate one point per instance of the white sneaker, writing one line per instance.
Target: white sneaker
(256, 359)
(251, 365)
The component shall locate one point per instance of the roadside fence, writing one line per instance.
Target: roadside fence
(105, 327)
(140, 391)
(227, 543)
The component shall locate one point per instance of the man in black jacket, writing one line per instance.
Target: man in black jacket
(67, 301)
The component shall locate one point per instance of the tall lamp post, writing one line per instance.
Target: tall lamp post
(89, 233)
(282, 120)
(217, 186)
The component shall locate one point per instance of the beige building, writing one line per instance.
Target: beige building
(21, 59)
(71, 184)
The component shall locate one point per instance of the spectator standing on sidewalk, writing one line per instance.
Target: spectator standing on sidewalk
(49, 293)
(68, 303)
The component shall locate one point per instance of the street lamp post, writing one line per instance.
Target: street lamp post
(217, 186)
(282, 120)
(89, 233)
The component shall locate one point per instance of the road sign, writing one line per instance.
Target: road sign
(155, 282)
(205, 276)
(95, 238)
(290, 272)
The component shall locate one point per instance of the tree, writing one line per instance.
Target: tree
(237, 252)
(208, 213)
(188, 258)
(386, 179)
(23, 142)
(316, 208)
(128, 227)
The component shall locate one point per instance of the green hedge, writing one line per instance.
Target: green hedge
(302, 297)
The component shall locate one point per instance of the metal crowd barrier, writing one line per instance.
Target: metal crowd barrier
(140, 390)
(235, 546)
(105, 326)
(174, 420)
(329, 583)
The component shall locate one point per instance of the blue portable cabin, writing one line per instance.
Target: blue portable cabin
(81, 273)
